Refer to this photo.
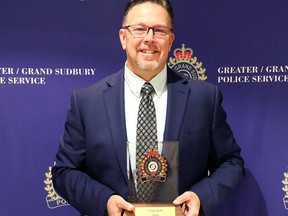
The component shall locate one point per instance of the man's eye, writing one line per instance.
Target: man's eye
(139, 29)
(159, 30)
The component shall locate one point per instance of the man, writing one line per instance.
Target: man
(91, 164)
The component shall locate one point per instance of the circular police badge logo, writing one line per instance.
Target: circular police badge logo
(152, 166)
(186, 64)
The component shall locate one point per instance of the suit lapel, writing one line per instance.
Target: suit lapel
(178, 93)
(114, 102)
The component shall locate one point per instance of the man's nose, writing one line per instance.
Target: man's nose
(150, 35)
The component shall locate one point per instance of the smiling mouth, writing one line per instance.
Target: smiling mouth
(147, 51)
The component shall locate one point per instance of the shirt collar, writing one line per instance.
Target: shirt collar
(135, 83)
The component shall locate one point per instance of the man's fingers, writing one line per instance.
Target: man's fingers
(190, 203)
(116, 204)
(126, 206)
(181, 199)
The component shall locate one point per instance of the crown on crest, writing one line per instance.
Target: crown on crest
(183, 53)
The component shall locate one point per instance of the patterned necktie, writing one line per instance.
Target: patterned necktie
(146, 137)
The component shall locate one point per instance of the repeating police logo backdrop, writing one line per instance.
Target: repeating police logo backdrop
(53, 200)
(186, 64)
(285, 189)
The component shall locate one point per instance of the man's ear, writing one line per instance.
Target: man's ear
(122, 37)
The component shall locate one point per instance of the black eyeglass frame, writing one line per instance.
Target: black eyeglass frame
(148, 29)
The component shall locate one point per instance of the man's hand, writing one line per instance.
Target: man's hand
(190, 203)
(116, 204)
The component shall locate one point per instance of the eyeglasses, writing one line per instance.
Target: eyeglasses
(140, 30)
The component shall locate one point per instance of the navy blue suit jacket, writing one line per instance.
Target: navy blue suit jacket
(91, 163)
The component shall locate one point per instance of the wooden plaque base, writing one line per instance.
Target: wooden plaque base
(155, 209)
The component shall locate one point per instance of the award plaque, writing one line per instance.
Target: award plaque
(161, 167)
(155, 209)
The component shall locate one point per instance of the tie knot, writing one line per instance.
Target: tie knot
(147, 88)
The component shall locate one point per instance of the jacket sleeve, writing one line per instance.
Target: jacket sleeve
(70, 180)
(226, 166)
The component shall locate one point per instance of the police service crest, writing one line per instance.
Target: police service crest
(53, 200)
(186, 64)
(152, 166)
(285, 189)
